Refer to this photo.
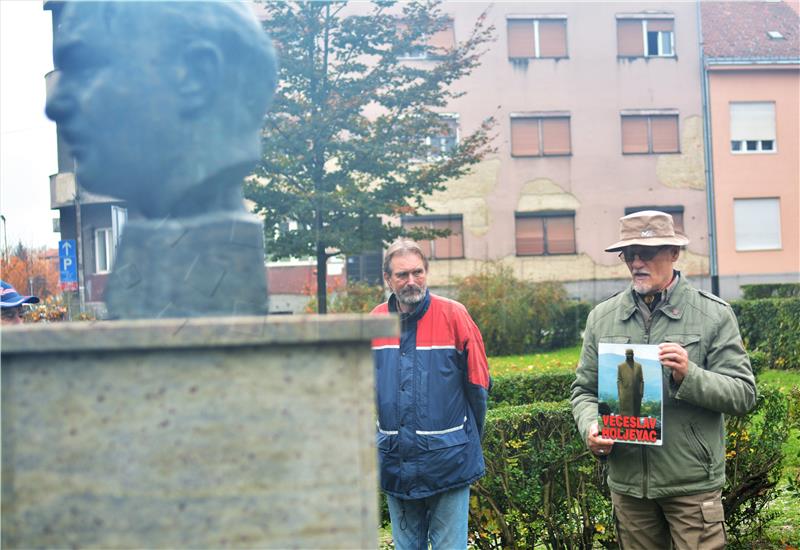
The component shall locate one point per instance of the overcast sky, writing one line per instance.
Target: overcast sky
(27, 137)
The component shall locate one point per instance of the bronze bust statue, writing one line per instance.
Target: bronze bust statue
(161, 104)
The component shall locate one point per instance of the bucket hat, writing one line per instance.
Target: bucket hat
(647, 228)
(9, 297)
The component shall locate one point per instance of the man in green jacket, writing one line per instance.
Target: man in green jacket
(667, 494)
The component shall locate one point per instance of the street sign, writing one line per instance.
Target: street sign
(68, 265)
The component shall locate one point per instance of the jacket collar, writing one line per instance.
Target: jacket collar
(418, 312)
(673, 307)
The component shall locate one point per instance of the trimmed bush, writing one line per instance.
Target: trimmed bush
(524, 388)
(772, 326)
(777, 290)
(753, 466)
(541, 486)
(517, 317)
(354, 298)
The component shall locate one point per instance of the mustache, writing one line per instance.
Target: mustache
(635, 273)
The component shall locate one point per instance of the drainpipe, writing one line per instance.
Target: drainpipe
(708, 157)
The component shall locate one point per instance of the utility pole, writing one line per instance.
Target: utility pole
(79, 244)
(5, 238)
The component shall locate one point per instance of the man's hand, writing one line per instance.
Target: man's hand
(600, 446)
(674, 357)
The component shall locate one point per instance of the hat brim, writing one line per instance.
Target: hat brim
(21, 300)
(677, 240)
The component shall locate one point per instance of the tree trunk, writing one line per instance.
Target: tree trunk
(322, 277)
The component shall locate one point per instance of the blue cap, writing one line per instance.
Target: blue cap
(9, 297)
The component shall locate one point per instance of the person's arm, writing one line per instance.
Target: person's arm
(727, 384)
(584, 394)
(477, 382)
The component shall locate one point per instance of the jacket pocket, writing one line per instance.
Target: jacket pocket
(385, 440)
(442, 439)
(614, 340)
(700, 447)
(689, 342)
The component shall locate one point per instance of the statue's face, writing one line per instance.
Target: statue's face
(113, 102)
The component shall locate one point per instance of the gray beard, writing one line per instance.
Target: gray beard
(411, 298)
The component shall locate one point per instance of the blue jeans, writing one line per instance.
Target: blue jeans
(441, 518)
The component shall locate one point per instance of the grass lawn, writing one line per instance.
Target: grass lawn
(561, 360)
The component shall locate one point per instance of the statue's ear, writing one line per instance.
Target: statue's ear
(201, 75)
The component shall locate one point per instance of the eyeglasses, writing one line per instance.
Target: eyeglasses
(646, 253)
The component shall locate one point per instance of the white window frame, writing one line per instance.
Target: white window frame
(104, 237)
(535, 20)
(662, 36)
(739, 233)
(441, 150)
(742, 143)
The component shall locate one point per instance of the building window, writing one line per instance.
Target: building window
(437, 45)
(757, 223)
(540, 134)
(440, 248)
(534, 37)
(645, 132)
(753, 127)
(675, 211)
(103, 250)
(442, 142)
(545, 233)
(645, 37)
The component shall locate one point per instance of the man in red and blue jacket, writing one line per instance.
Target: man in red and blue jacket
(432, 384)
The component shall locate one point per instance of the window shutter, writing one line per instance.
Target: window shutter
(757, 223)
(553, 38)
(444, 40)
(660, 25)
(520, 38)
(424, 245)
(665, 134)
(561, 235)
(525, 137)
(530, 236)
(630, 41)
(752, 121)
(555, 135)
(453, 245)
(634, 134)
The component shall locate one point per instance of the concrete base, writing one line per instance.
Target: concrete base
(202, 433)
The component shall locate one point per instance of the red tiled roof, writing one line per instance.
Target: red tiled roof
(739, 30)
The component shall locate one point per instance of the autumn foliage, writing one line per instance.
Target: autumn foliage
(32, 271)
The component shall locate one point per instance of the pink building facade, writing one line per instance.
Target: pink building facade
(599, 113)
(752, 61)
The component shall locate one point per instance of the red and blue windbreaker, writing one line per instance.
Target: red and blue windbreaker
(432, 384)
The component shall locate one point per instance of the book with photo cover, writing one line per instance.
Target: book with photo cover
(629, 393)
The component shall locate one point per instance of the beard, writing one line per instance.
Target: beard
(411, 295)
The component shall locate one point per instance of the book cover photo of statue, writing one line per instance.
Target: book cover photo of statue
(161, 105)
(630, 393)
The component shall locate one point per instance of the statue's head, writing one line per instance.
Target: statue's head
(155, 97)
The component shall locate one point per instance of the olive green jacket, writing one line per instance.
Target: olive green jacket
(719, 381)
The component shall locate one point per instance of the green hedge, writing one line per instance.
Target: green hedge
(542, 488)
(771, 326)
(777, 290)
(523, 388)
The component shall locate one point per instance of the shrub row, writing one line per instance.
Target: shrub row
(517, 317)
(543, 488)
(777, 290)
(771, 326)
(523, 388)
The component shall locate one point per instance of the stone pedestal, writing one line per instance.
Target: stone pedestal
(202, 433)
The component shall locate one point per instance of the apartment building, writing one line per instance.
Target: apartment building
(599, 114)
(751, 54)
